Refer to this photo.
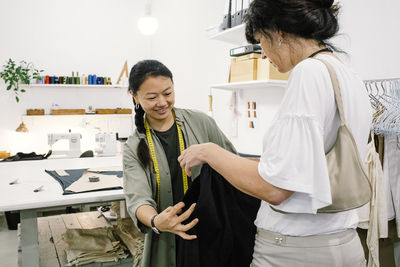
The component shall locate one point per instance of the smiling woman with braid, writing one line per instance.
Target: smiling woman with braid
(154, 183)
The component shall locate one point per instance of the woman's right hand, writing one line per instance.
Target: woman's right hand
(170, 220)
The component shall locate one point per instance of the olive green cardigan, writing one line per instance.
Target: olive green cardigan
(140, 183)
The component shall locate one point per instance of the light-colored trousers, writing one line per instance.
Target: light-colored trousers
(341, 249)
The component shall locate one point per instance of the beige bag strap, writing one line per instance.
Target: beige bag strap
(336, 89)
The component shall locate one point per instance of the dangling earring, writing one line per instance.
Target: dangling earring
(137, 106)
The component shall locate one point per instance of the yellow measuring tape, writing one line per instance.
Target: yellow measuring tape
(155, 162)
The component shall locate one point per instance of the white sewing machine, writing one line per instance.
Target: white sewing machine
(106, 144)
(74, 144)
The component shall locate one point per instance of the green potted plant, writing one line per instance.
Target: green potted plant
(14, 75)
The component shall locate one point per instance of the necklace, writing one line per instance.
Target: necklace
(326, 49)
(155, 162)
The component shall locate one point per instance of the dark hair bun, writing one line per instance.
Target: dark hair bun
(310, 19)
(323, 3)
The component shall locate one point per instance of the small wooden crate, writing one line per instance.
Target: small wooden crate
(67, 111)
(35, 112)
(124, 111)
(4, 154)
(105, 111)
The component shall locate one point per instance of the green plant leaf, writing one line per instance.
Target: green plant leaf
(8, 87)
(23, 91)
(17, 98)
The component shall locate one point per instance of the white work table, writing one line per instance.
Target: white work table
(31, 175)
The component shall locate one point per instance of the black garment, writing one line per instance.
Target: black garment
(170, 142)
(226, 230)
(27, 156)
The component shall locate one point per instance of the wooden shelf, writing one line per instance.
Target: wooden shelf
(85, 115)
(233, 35)
(73, 86)
(258, 84)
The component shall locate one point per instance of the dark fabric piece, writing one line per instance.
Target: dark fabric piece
(226, 230)
(27, 156)
(170, 142)
(74, 175)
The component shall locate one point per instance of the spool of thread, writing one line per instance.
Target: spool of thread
(86, 80)
(51, 79)
(56, 80)
(47, 81)
(93, 179)
(43, 81)
(94, 79)
(100, 80)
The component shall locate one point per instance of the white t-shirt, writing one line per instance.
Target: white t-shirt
(294, 147)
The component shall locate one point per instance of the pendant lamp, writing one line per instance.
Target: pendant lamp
(148, 24)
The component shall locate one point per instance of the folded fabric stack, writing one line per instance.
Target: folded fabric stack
(132, 238)
(93, 245)
(104, 244)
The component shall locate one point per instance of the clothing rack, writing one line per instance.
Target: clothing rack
(385, 99)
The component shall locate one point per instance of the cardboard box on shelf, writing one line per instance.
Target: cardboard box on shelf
(252, 67)
(265, 71)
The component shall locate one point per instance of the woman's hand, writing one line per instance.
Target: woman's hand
(193, 156)
(170, 220)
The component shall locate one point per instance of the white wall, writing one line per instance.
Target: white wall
(96, 36)
(91, 36)
(182, 44)
(371, 36)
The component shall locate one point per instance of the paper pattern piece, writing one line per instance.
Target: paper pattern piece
(106, 181)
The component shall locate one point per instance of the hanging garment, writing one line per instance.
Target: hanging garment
(66, 178)
(391, 170)
(375, 211)
(225, 231)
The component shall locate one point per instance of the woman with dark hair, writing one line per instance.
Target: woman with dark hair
(154, 183)
(292, 177)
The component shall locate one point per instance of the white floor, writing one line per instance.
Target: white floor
(8, 245)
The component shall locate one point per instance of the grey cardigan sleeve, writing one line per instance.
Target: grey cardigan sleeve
(137, 186)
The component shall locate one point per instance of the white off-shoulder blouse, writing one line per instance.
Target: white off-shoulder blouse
(294, 147)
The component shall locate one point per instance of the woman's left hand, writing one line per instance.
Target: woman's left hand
(193, 156)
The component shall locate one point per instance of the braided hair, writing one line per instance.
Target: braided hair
(139, 73)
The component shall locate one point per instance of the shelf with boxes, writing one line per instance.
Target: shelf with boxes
(57, 94)
(233, 35)
(77, 115)
(91, 112)
(257, 84)
(73, 86)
